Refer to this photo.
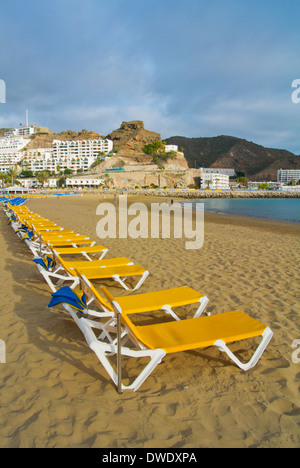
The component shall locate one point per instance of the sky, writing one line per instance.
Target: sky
(193, 68)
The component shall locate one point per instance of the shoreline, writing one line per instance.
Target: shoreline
(165, 193)
(220, 217)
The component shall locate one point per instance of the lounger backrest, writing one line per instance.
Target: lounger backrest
(117, 308)
(89, 288)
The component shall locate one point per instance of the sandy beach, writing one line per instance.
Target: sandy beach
(55, 393)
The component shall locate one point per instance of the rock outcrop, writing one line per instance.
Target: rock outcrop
(130, 139)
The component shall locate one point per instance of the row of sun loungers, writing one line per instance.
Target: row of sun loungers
(76, 270)
(18, 201)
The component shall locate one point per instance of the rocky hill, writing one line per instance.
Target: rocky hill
(256, 161)
(130, 139)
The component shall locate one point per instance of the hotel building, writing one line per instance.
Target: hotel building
(10, 152)
(284, 176)
(214, 181)
(81, 149)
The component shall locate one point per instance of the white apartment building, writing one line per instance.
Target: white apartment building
(10, 152)
(22, 131)
(40, 159)
(80, 182)
(284, 176)
(289, 188)
(169, 148)
(215, 170)
(26, 131)
(74, 155)
(43, 159)
(214, 181)
(81, 148)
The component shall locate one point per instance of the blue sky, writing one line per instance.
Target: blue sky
(195, 68)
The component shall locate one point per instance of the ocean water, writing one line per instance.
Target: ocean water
(280, 209)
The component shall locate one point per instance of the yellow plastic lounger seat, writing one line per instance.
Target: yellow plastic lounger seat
(70, 266)
(53, 234)
(43, 225)
(109, 272)
(117, 273)
(196, 333)
(29, 217)
(50, 227)
(70, 238)
(76, 241)
(88, 252)
(96, 252)
(64, 235)
(80, 250)
(156, 300)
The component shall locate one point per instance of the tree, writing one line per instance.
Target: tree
(3, 177)
(26, 173)
(42, 177)
(61, 182)
(12, 172)
(263, 186)
(152, 147)
(68, 171)
(242, 181)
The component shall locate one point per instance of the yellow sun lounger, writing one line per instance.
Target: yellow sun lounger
(157, 301)
(171, 337)
(87, 252)
(155, 341)
(75, 241)
(164, 300)
(117, 273)
(71, 266)
(56, 271)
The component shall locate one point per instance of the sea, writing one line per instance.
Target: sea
(280, 209)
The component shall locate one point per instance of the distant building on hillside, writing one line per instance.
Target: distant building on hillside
(216, 170)
(84, 182)
(26, 131)
(169, 148)
(214, 181)
(10, 152)
(284, 176)
(81, 148)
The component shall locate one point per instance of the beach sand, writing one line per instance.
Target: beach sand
(55, 393)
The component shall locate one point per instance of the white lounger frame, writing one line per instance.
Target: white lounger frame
(103, 350)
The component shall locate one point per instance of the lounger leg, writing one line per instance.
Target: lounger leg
(203, 303)
(139, 284)
(102, 349)
(266, 337)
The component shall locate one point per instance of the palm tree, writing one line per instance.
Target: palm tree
(42, 177)
(12, 172)
(3, 177)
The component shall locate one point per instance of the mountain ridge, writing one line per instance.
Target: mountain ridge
(255, 161)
